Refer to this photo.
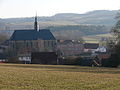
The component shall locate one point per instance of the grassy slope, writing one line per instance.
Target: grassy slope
(95, 38)
(56, 77)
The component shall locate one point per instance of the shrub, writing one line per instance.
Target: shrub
(113, 61)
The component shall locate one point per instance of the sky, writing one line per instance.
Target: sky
(28, 8)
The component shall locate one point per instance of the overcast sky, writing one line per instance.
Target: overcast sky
(28, 8)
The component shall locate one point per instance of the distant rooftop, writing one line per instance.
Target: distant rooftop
(91, 45)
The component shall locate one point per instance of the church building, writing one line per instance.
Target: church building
(24, 42)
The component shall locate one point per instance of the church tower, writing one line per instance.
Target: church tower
(35, 23)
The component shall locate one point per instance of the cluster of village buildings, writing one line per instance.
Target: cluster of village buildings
(39, 45)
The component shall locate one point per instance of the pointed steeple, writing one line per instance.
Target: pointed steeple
(35, 23)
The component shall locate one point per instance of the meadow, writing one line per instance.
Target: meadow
(58, 77)
(96, 38)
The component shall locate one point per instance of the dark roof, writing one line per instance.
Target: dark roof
(91, 45)
(44, 34)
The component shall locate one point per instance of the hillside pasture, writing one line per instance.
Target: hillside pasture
(58, 77)
(96, 38)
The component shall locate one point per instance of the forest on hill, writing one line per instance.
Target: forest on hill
(64, 25)
(77, 31)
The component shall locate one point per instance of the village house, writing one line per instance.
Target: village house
(90, 47)
(3, 48)
(70, 48)
(3, 58)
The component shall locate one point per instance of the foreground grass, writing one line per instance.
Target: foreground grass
(57, 77)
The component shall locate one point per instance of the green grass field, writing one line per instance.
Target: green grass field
(96, 38)
(58, 77)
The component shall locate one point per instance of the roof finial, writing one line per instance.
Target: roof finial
(35, 23)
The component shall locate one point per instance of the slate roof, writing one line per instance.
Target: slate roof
(91, 45)
(43, 34)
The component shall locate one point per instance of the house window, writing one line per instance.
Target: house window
(44, 43)
(31, 43)
(53, 43)
(13, 45)
(50, 43)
